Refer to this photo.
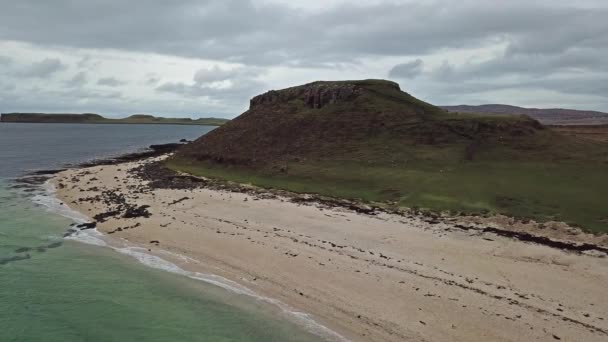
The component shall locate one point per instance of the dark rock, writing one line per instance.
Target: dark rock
(141, 211)
(69, 232)
(84, 226)
(179, 200)
(47, 172)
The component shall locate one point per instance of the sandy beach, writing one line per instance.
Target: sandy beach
(381, 277)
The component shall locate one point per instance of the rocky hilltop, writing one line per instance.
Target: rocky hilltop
(317, 94)
(353, 120)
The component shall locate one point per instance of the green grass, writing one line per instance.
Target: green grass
(572, 192)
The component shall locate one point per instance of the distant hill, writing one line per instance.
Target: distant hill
(98, 119)
(369, 140)
(554, 116)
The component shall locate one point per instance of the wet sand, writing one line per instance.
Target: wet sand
(381, 277)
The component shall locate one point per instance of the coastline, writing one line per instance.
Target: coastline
(381, 277)
(168, 262)
(157, 259)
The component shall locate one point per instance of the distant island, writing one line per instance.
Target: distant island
(88, 118)
(551, 116)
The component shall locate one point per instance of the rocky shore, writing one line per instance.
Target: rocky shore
(370, 272)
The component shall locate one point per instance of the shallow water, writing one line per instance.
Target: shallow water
(52, 289)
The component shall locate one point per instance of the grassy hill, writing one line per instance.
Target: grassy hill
(550, 116)
(98, 119)
(371, 141)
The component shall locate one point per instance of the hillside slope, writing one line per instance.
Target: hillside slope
(554, 116)
(354, 120)
(98, 119)
(369, 140)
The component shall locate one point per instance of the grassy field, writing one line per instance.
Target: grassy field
(566, 191)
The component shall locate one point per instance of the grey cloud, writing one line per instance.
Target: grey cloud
(445, 72)
(538, 65)
(234, 86)
(180, 88)
(7, 87)
(87, 62)
(265, 33)
(557, 46)
(213, 74)
(594, 86)
(152, 79)
(581, 29)
(566, 86)
(65, 100)
(238, 90)
(219, 83)
(4, 60)
(110, 82)
(79, 80)
(43, 69)
(407, 70)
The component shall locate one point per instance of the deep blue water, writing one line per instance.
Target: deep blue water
(26, 147)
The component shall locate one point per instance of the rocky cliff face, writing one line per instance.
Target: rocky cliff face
(314, 95)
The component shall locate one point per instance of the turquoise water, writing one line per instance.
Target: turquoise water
(53, 289)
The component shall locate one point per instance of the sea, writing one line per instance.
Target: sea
(69, 289)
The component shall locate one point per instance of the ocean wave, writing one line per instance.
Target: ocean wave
(55, 205)
(301, 318)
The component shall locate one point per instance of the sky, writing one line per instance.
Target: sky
(199, 58)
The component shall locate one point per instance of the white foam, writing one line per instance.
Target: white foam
(301, 318)
(150, 260)
(183, 258)
(88, 236)
(55, 205)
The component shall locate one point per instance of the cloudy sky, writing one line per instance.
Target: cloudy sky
(208, 57)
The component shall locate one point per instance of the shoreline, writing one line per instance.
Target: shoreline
(167, 261)
(347, 268)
